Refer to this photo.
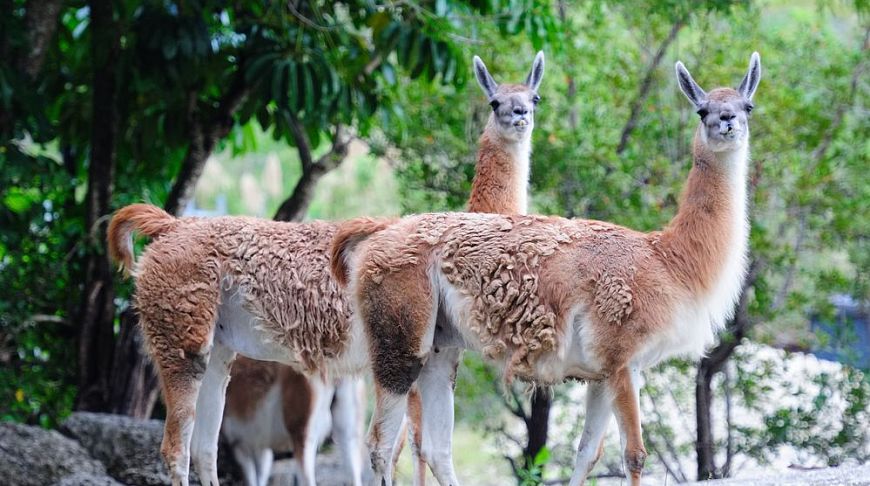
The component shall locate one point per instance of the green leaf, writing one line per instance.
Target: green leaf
(17, 201)
(279, 84)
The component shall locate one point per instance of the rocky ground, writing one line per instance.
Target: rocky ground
(110, 450)
(837, 476)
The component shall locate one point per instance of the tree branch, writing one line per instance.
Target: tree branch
(654, 446)
(294, 207)
(516, 407)
(678, 473)
(729, 438)
(646, 84)
(204, 136)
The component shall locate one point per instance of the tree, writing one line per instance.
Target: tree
(137, 96)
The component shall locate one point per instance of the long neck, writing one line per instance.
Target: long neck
(501, 178)
(706, 241)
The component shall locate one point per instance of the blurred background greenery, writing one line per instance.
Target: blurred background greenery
(331, 110)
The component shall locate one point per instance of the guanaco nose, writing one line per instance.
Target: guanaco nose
(727, 116)
(521, 110)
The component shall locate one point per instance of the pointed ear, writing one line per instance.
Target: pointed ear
(533, 80)
(688, 85)
(483, 78)
(753, 76)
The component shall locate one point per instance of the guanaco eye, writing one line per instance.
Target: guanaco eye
(536, 99)
(703, 113)
(749, 108)
(494, 104)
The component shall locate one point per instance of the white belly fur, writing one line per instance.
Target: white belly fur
(240, 330)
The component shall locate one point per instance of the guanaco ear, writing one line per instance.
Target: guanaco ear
(689, 87)
(753, 76)
(483, 78)
(533, 80)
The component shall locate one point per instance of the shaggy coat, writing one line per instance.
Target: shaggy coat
(500, 186)
(207, 289)
(551, 299)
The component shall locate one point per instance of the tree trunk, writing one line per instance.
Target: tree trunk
(133, 383)
(538, 424)
(97, 310)
(40, 18)
(713, 363)
(703, 407)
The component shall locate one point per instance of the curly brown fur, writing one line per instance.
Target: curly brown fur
(550, 298)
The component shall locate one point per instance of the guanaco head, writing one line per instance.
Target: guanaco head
(724, 112)
(513, 105)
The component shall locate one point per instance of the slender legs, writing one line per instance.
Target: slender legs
(181, 384)
(598, 412)
(385, 427)
(414, 426)
(618, 395)
(346, 422)
(317, 427)
(625, 386)
(435, 386)
(248, 464)
(264, 466)
(209, 413)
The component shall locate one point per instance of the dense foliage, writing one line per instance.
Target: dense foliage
(105, 103)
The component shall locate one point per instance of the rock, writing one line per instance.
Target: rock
(130, 448)
(35, 456)
(85, 479)
(834, 476)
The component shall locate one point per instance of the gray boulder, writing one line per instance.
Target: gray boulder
(130, 448)
(35, 456)
(85, 479)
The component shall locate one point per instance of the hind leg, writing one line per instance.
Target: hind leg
(346, 425)
(414, 424)
(180, 389)
(209, 412)
(385, 427)
(398, 314)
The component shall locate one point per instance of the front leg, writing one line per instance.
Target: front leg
(625, 386)
(599, 407)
